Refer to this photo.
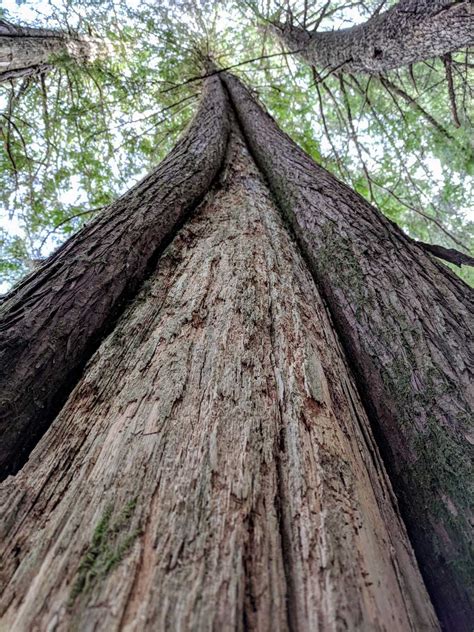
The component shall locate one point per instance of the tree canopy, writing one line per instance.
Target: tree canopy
(75, 136)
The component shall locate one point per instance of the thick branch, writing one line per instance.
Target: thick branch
(411, 31)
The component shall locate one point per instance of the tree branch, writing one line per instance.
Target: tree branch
(448, 254)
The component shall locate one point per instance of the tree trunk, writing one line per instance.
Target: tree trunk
(406, 324)
(411, 31)
(214, 469)
(51, 323)
(25, 51)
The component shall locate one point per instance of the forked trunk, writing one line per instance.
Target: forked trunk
(51, 323)
(406, 323)
(411, 31)
(214, 468)
(25, 51)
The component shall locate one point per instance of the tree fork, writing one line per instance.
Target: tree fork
(405, 321)
(51, 323)
(214, 468)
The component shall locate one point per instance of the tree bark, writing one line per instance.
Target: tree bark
(26, 51)
(51, 323)
(411, 31)
(214, 469)
(406, 324)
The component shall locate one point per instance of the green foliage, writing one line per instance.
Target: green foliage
(79, 136)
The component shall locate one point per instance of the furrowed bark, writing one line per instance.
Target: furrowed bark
(406, 324)
(411, 31)
(51, 323)
(214, 469)
(25, 51)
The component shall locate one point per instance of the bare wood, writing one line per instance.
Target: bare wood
(214, 469)
(51, 323)
(406, 324)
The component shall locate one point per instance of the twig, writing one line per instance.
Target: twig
(219, 70)
(355, 137)
(415, 105)
(65, 221)
(447, 60)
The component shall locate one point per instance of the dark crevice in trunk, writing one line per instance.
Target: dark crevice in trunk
(281, 500)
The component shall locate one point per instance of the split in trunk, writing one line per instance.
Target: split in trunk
(214, 469)
(411, 31)
(406, 323)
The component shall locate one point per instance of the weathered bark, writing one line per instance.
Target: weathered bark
(50, 323)
(406, 324)
(214, 469)
(25, 51)
(411, 31)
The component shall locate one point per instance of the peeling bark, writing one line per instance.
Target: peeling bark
(406, 324)
(214, 469)
(411, 31)
(26, 51)
(51, 323)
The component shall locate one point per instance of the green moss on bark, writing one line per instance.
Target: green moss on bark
(110, 541)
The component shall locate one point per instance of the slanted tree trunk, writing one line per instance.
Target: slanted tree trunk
(406, 323)
(51, 323)
(26, 51)
(411, 31)
(214, 469)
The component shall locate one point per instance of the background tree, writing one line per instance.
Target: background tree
(408, 32)
(26, 51)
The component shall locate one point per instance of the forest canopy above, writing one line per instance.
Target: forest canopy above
(76, 135)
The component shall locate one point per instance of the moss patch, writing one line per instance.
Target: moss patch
(110, 541)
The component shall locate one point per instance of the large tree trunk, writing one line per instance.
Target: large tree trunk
(214, 469)
(411, 31)
(50, 324)
(406, 323)
(25, 51)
